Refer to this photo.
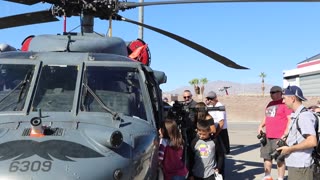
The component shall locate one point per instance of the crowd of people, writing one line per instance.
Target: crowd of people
(199, 144)
(197, 150)
(291, 135)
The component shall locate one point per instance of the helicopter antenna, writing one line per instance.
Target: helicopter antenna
(81, 23)
(64, 23)
(110, 27)
(141, 14)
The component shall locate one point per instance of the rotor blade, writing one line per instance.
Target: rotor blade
(128, 5)
(26, 19)
(189, 43)
(26, 2)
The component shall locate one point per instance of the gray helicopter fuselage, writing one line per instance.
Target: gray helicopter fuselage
(77, 42)
(97, 115)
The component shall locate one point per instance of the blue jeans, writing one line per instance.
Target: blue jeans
(178, 178)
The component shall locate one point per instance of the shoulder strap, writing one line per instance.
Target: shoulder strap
(194, 141)
(189, 158)
(316, 124)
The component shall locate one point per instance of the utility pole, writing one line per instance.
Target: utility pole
(141, 13)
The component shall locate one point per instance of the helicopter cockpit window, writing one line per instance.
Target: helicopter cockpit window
(14, 85)
(55, 90)
(117, 87)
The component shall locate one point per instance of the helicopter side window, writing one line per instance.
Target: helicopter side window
(56, 87)
(118, 88)
(14, 85)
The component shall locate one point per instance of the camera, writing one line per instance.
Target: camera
(179, 112)
(262, 137)
(275, 154)
(184, 114)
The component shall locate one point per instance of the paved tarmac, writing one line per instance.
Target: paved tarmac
(244, 162)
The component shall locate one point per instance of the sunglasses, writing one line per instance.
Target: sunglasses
(185, 97)
(209, 99)
(272, 92)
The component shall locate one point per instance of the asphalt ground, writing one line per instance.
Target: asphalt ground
(244, 162)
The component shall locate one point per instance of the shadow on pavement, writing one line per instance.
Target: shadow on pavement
(238, 149)
(237, 169)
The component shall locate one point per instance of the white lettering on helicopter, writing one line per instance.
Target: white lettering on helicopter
(33, 166)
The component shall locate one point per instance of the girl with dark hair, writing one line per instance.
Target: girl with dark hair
(171, 151)
(203, 114)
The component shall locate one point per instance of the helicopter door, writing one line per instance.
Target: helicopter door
(155, 96)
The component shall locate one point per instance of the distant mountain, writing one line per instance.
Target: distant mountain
(235, 88)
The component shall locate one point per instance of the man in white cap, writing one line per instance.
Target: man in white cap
(277, 116)
(220, 119)
(301, 137)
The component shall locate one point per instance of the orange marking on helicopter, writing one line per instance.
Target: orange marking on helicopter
(137, 52)
(26, 43)
(38, 135)
(36, 132)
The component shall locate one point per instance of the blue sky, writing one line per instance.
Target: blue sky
(266, 37)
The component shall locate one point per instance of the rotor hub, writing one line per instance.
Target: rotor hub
(102, 9)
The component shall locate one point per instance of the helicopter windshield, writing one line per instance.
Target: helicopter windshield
(56, 87)
(14, 85)
(117, 87)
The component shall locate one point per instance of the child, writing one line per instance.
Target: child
(203, 114)
(204, 165)
(171, 151)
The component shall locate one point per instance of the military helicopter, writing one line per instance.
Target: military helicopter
(82, 105)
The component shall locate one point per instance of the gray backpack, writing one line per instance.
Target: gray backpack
(316, 151)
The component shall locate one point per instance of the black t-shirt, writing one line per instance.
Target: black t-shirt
(190, 116)
(211, 121)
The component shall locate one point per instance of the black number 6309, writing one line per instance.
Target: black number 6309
(33, 166)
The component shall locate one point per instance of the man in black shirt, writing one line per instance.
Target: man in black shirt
(189, 103)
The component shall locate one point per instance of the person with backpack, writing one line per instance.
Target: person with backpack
(171, 151)
(300, 138)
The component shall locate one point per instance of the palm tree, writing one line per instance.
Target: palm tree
(195, 83)
(262, 76)
(203, 82)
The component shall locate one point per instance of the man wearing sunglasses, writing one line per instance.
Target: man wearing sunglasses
(301, 136)
(274, 125)
(189, 103)
(189, 118)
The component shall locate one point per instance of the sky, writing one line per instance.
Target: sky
(265, 37)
